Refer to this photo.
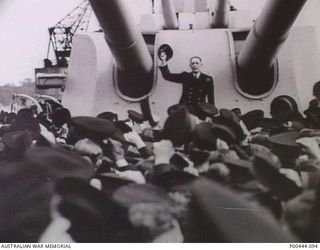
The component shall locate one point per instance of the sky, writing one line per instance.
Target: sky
(24, 30)
(24, 35)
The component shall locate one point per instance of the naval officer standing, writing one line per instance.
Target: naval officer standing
(197, 87)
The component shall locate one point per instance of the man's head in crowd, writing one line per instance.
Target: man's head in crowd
(316, 90)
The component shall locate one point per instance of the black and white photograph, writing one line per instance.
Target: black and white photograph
(159, 121)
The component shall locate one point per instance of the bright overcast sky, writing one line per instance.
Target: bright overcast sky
(24, 35)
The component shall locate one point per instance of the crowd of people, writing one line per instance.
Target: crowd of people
(207, 175)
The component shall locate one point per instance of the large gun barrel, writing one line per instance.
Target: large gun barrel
(169, 14)
(123, 36)
(267, 36)
(220, 14)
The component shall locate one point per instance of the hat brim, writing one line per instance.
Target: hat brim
(140, 193)
(286, 139)
(174, 178)
(135, 116)
(166, 49)
(268, 173)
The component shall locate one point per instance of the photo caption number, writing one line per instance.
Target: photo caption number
(303, 245)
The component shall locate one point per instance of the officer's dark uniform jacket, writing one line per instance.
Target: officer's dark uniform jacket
(194, 89)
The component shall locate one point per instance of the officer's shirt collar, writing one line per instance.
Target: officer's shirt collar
(197, 75)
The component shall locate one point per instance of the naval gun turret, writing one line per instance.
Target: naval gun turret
(169, 15)
(258, 55)
(118, 70)
(133, 60)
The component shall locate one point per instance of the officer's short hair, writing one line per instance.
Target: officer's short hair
(196, 57)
